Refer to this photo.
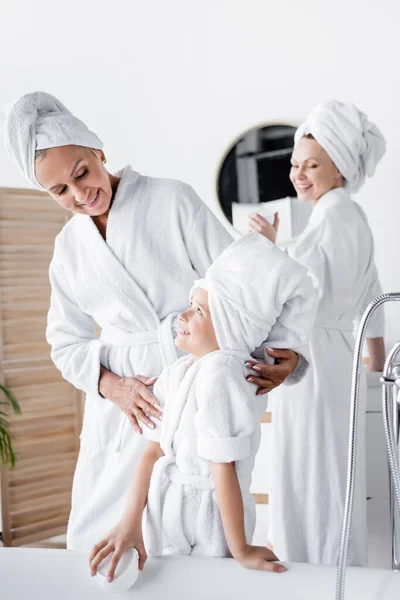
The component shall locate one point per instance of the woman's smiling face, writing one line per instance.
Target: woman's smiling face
(313, 173)
(76, 178)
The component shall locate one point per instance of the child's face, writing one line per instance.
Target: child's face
(196, 333)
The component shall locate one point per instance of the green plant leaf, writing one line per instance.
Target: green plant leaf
(2, 452)
(3, 424)
(11, 453)
(7, 453)
(6, 450)
(11, 398)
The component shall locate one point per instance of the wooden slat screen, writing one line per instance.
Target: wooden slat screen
(36, 494)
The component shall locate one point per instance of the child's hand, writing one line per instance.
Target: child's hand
(259, 557)
(119, 540)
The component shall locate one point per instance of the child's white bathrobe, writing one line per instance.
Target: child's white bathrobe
(255, 292)
(310, 420)
(211, 414)
(160, 238)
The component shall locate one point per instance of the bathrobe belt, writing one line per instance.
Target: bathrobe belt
(167, 466)
(164, 334)
(338, 324)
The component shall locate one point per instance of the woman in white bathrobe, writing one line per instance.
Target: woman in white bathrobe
(125, 262)
(194, 477)
(334, 150)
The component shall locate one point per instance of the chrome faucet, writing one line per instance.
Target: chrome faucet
(390, 412)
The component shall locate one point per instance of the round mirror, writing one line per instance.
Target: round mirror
(254, 177)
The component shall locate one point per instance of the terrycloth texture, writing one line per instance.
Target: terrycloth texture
(211, 413)
(310, 420)
(38, 121)
(160, 237)
(353, 143)
(252, 287)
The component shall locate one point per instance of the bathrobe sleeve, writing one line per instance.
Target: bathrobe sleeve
(75, 349)
(292, 332)
(376, 325)
(160, 391)
(303, 362)
(226, 411)
(312, 256)
(207, 237)
(293, 328)
(331, 265)
(309, 251)
(373, 289)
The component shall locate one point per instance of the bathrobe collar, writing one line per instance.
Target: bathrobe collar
(336, 197)
(104, 255)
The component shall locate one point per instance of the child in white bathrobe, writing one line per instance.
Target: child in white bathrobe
(195, 474)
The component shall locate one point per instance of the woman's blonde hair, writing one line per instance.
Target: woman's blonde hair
(39, 154)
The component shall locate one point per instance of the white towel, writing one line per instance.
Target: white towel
(254, 287)
(353, 143)
(38, 121)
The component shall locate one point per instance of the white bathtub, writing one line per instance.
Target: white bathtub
(33, 574)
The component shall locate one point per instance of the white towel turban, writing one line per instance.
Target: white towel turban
(248, 286)
(353, 143)
(38, 121)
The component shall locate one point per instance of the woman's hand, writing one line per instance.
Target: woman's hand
(268, 377)
(258, 224)
(132, 396)
(123, 537)
(260, 558)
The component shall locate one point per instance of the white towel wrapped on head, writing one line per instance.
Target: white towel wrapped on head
(38, 121)
(353, 143)
(253, 287)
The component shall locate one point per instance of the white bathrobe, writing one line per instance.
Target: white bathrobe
(255, 293)
(160, 238)
(309, 442)
(211, 413)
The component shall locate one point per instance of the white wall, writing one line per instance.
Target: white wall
(169, 84)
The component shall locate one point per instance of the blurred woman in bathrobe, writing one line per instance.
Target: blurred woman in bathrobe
(335, 149)
(125, 262)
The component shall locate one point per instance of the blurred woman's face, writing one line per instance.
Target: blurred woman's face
(77, 179)
(313, 173)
